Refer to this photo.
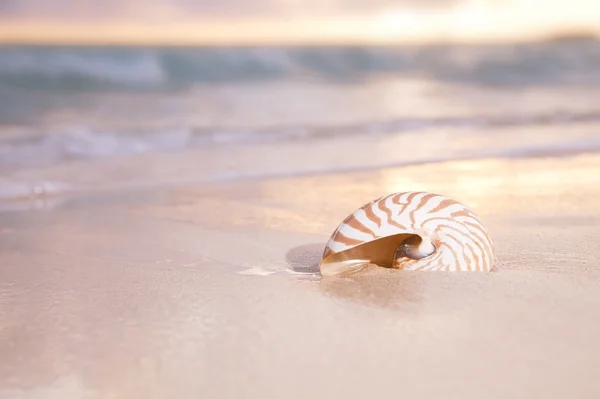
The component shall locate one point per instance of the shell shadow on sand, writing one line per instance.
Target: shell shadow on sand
(305, 258)
(374, 286)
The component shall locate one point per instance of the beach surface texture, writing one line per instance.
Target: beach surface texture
(213, 291)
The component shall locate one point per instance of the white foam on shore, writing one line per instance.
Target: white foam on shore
(287, 159)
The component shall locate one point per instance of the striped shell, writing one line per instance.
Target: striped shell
(412, 231)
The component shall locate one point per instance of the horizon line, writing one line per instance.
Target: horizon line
(127, 42)
(256, 33)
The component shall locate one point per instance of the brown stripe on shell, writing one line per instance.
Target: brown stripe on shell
(396, 198)
(404, 206)
(342, 239)
(383, 207)
(463, 245)
(463, 213)
(487, 247)
(436, 261)
(443, 244)
(420, 205)
(470, 258)
(371, 215)
(423, 265)
(411, 214)
(396, 224)
(476, 257)
(477, 227)
(390, 220)
(357, 225)
(464, 254)
(411, 196)
(443, 205)
(439, 264)
(436, 218)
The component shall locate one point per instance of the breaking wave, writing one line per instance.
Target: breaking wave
(89, 68)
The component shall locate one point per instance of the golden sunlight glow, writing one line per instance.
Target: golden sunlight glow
(466, 21)
(481, 20)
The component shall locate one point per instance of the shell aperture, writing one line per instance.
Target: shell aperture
(411, 231)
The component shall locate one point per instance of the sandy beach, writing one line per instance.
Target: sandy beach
(211, 290)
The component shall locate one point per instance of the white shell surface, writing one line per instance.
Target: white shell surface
(462, 242)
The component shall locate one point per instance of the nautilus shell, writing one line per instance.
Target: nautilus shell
(410, 231)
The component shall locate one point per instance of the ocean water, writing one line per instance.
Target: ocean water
(82, 118)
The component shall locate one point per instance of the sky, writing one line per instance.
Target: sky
(293, 21)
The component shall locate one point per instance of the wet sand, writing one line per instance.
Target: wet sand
(187, 292)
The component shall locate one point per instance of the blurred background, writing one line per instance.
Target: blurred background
(104, 93)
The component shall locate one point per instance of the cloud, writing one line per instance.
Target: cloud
(58, 8)
(186, 9)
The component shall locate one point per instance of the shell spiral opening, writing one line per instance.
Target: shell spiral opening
(414, 247)
(392, 252)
